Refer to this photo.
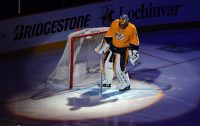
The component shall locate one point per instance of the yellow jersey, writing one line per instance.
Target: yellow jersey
(123, 37)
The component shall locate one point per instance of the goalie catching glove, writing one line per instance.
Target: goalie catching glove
(102, 47)
(134, 56)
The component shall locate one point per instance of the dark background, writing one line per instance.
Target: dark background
(9, 8)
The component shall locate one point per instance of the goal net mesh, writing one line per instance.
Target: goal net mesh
(79, 64)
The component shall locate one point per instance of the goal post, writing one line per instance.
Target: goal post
(79, 63)
(88, 36)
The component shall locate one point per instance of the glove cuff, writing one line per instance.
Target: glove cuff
(134, 47)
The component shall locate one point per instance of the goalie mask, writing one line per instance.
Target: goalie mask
(123, 21)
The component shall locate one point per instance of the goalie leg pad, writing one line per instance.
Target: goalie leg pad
(124, 81)
(122, 86)
(108, 67)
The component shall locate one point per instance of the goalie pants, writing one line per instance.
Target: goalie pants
(115, 61)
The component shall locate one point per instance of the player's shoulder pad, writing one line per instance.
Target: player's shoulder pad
(115, 21)
(131, 26)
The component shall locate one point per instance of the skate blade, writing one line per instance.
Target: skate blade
(126, 88)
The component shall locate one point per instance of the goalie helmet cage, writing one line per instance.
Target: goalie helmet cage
(79, 63)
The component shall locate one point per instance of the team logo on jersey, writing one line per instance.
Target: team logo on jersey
(119, 36)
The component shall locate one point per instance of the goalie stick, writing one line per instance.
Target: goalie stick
(101, 75)
(99, 96)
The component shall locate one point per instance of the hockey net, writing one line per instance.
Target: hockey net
(79, 64)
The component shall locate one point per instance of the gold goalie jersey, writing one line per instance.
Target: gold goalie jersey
(122, 37)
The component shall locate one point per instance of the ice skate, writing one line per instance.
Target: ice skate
(123, 86)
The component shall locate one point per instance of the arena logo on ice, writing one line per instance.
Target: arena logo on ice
(149, 10)
(50, 27)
